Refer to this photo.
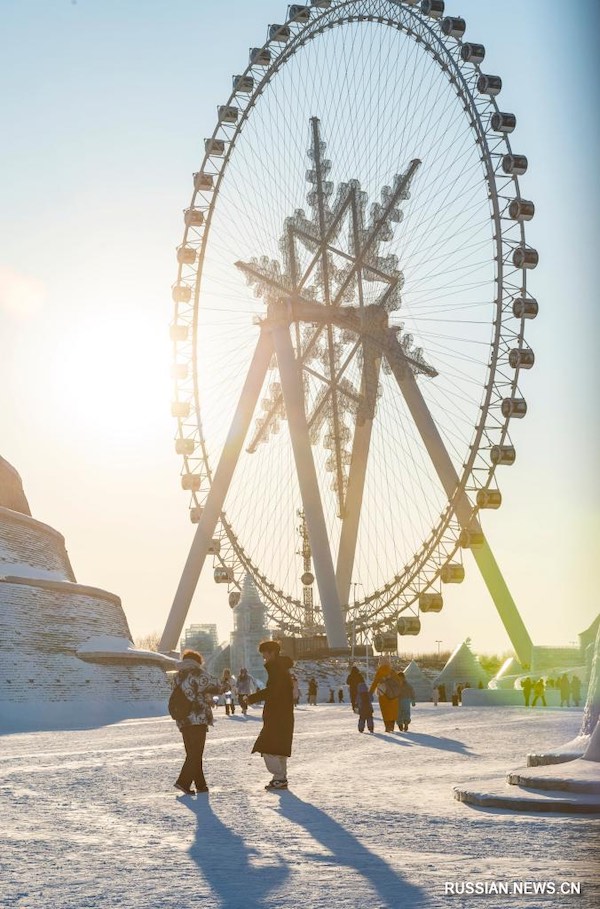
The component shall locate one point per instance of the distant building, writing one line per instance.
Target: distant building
(202, 638)
(249, 629)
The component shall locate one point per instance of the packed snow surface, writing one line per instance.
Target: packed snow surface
(90, 819)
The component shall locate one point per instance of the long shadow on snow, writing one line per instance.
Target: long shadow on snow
(224, 860)
(347, 850)
(437, 741)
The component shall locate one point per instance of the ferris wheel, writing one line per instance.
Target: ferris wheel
(349, 319)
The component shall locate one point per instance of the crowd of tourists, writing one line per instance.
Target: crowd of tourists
(196, 694)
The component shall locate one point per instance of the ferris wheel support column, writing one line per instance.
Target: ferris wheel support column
(293, 396)
(503, 601)
(357, 473)
(218, 491)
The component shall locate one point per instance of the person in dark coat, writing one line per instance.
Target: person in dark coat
(275, 740)
(364, 704)
(526, 685)
(312, 691)
(539, 691)
(565, 690)
(353, 681)
(198, 688)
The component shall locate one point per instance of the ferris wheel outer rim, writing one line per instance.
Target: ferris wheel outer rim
(266, 587)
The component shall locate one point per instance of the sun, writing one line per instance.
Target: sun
(111, 376)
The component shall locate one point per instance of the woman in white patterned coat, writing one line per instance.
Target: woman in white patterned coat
(198, 687)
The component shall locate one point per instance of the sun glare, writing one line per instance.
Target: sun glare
(112, 377)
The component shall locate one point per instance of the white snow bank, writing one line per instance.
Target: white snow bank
(108, 646)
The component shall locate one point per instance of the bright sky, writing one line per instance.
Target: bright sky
(105, 108)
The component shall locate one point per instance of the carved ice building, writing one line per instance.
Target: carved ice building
(249, 629)
(66, 654)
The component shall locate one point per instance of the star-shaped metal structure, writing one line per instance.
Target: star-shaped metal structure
(333, 259)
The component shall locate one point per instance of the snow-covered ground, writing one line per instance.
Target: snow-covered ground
(90, 819)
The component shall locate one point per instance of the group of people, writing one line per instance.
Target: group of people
(196, 689)
(395, 694)
(570, 690)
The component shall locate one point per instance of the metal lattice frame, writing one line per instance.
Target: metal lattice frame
(380, 608)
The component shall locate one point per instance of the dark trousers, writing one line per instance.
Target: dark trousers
(194, 738)
(368, 720)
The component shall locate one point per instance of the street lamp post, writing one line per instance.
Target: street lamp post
(438, 646)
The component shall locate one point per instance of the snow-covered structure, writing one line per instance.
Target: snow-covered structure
(462, 668)
(66, 653)
(249, 629)
(419, 681)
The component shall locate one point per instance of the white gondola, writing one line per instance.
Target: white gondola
(409, 625)
(243, 85)
(502, 454)
(185, 446)
(489, 498)
(521, 210)
(516, 165)
(322, 4)
(180, 409)
(525, 257)
(471, 539)
(502, 122)
(181, 293)
(521, 358)
(234, 598)
(214, 147)
(260, 56)
(203, 181)
(452, 573)
(472, 53)
(190, 482)
(223, 575)
(196, 514)
(179, 332)
(525, 308)
(227, 113)
(193, 217)
(279, 33)
(214, 547)
(431, 602)
(385, 642)
(454, 26)
(186, 255)
(299, 13)
(489, 85)
(433, 8)
(514, 407)
(180, 371)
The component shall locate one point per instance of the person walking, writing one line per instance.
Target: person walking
(539, 692)
(228, 686)
(195, 689)
(387, 684)
(364, 704)
(274, 742)
(565, 690)
(312, 691)
(353, 681)
(576, 690)
(295, 689)
(246, 684)
(405, 699)
(526, 685)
